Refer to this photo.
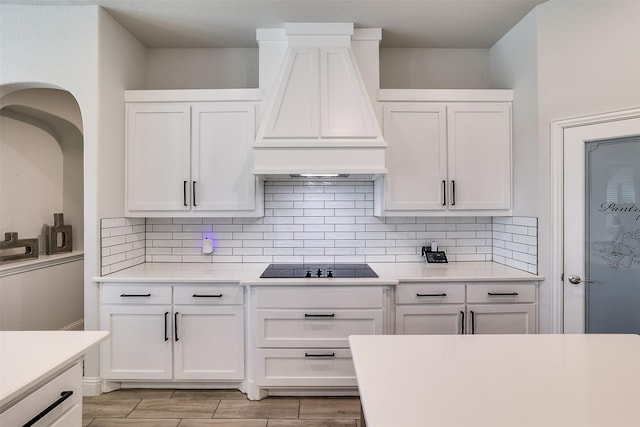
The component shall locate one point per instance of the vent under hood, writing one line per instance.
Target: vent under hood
(318, 118)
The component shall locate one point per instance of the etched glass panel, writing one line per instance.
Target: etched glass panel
(613, 236)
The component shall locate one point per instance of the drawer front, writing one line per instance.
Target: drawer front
(314, 328)
(35, 403)
(305, 367)
(208, 294)
(319, 296)
(431, 293)
(136, 294)
(501, 292)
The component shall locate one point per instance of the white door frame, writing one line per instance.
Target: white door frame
(557, 195)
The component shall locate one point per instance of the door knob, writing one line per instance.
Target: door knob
(576, 280)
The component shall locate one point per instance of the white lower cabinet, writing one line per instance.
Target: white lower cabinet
(179, 332)
(496, 308)
(301, 333)
(56, 403)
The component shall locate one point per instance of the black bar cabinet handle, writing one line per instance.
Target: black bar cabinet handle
(194, 193)
(184, 193)
(453, 192)
(175, 325)
(134, 295)
(319, 355)
(494, 294)
(473, 322)
(207, 296)
(462, 322)
(166, 338)
(63, 396)
(432, 295)
(319, 315)
(444, 193)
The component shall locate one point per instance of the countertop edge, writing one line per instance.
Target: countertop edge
(47, 370)
(389, 274)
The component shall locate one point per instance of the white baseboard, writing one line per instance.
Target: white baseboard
(91, 386)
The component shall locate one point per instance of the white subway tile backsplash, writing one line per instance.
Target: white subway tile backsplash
(318, 222)
(515, 243)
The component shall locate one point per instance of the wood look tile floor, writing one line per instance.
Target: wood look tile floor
(220, 408)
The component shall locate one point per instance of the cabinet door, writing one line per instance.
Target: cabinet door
(430, 319)
(140, 342)
(416, 156)
(157, 157)
(479, 155)
(209, 342)
(501, 318)
(221, 157)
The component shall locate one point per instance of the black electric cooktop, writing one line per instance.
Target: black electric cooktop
(339, 270)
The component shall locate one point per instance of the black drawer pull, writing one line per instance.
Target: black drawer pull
(184, 193)
(453, 192)
(319, 355)
(175, 325)
(432, 295)
(134, 295)
(207, 296)
(166, 337)
(473, 322)
(497, 294)
(319, 315)
(63, 396)
(444, 192)
(462, 322)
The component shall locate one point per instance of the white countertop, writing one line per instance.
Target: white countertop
(28, 358)
(249, 274)
(498, 380)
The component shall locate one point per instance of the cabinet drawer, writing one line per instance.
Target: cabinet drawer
(319, 297)
(432, 293)
(314, 328)
(208, 294)
(136, 294)
(501, 292)
(67, 412)
(305, 367)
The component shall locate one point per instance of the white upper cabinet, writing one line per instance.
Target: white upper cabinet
(158, 156)
(446, 157)
(479, 155)
(416, 156)
(190, 158)
(221, 157)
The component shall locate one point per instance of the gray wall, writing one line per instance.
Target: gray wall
(238, 68)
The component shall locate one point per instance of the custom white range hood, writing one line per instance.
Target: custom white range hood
(318, 117)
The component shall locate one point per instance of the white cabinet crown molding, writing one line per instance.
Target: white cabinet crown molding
(445, 95)
(192, 95)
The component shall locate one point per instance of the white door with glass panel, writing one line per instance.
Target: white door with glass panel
(601, 203)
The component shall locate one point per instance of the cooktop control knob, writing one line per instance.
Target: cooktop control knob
(308, 274)
(319, 273)
(329, 273)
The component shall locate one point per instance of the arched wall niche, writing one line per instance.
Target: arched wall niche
(41, 161)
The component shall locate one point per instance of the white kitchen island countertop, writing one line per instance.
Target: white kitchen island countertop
(27, 358)
(498, 380)
(249, 274)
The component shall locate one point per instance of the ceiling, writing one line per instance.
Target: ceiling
(232, 23)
